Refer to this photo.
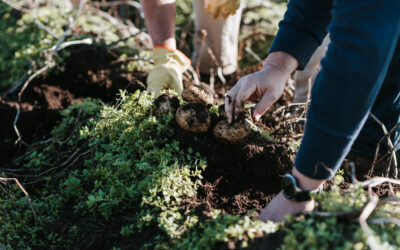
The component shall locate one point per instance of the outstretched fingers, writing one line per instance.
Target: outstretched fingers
(264, 104)
(237, 97)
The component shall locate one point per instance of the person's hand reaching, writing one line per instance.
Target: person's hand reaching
(169, 65)
(266, 85)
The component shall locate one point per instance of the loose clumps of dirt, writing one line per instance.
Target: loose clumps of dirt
(239, 177)
(89, 71)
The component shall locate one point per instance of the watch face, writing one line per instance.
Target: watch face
(289, 185)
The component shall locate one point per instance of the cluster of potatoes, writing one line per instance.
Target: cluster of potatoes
(195, 116)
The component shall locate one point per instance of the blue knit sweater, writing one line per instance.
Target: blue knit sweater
(364, 35)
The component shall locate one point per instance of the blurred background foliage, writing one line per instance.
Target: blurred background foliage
(30, 27)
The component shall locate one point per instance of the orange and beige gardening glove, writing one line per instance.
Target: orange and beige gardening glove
(222, 8)
(169, 65)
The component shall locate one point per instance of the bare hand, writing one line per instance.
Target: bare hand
(265, 85)
(279, 207)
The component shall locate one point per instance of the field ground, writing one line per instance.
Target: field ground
(103, 172)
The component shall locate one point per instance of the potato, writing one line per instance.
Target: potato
(166, 104)
(198, 93)
(232, 133)
(193, 117)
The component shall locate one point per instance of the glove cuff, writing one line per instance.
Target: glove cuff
(185, 60)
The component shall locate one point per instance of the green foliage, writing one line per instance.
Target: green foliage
(342, 232)
(111, 162)
(223, 228)
(129, 164)
(24, 41)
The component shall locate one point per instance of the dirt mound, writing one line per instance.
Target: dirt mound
(88, 72)
(238, 177)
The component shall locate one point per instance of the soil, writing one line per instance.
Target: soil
(239, 178)
(89, 71)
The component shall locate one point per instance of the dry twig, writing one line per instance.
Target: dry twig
(16, 7)
(368, 209)
(4, 182)
(391, 148)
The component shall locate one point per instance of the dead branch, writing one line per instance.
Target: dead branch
(16, 7)
(194, 75)
(368, 209)
(185, 32)
(45, 28)
(125, 30)
(70, 161)
(19, 139)
(5, 180)
(117, 3)
(33, 76)
(198, 59)
(88, 41)
(70, 24)
(253, 54)
(114, 44)
(385, 220)
(377, 181)
(129, 59)
(219, 68)
(325, 214)
(390, 145)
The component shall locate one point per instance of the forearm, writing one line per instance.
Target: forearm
(283, 61)
(160, 21)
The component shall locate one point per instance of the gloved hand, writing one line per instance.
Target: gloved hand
(169, 65)
(221, 7)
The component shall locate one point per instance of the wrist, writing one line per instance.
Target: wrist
(282, 61)
(305, 182)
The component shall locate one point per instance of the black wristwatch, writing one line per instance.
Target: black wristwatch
(293, 192)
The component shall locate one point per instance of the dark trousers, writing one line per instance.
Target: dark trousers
(386, 108)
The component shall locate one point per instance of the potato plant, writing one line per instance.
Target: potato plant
(129, 166)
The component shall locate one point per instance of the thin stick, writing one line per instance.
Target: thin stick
(117, 3)
(71, 159)
(377, 181)
(385, 220)
(5, 180)
(112, 45)
(70, 24)
(219, 69)
(253, 54)
(198, 59)
(16, 7)
(45, 28)
(33, 76)
(88, 41)
(195, 77)
(368, 209)
(390, 145)
(19, 139)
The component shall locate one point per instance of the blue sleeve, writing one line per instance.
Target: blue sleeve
(364, 34)
(303, 29)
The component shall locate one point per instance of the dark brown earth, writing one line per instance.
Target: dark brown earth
(239, 177)
(88, 72)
